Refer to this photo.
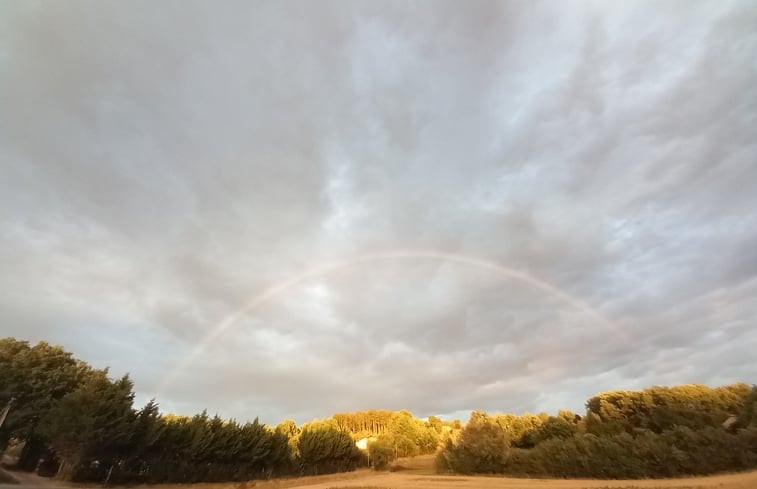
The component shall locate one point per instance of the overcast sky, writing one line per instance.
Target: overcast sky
(288, 209)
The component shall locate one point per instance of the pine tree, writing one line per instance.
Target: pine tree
(94, 422)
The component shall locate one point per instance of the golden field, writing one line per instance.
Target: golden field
(417, 473)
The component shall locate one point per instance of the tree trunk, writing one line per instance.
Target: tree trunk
(68, 467)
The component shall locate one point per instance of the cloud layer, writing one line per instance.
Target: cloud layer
(163, 165)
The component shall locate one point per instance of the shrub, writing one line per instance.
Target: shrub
(482, 447)
(381, 452)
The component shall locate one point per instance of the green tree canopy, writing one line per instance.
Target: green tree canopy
(95, 421)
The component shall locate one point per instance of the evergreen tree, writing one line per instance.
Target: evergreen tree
(95, 422)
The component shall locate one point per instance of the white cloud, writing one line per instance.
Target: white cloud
(161, 167)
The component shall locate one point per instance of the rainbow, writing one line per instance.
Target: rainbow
(324, 269)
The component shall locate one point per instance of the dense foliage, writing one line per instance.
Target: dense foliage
(680, 451)
(375, 421)
(80, 423)
(656, 432)
(394, 434)
(482, 447)
(324, 448)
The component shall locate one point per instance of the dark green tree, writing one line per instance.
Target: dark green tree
(93, 422)
(37, 377)
(325, 449)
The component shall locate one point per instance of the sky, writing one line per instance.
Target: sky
(290, 209)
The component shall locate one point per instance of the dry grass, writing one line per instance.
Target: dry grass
(404, 480)
(283, 483)
(418, 473)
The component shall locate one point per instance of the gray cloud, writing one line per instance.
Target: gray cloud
(164, 164)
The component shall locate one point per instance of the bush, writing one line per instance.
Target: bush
(482, 448)
(674, 453)
(324, 450)
(381, 452)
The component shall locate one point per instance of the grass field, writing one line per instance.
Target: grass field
(418, 473)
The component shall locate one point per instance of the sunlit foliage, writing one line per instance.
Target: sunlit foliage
(482, 448)
(656, 432)
(82, 422)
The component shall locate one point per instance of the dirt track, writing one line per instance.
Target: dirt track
(418, 474)
(408, 481)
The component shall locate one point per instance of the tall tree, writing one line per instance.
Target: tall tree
(324, 449)
(94, 422)
(37, 377)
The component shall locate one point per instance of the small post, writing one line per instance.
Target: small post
(6, 409)
(107, 478)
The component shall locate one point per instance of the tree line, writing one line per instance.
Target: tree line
(76, 422)
(655, 432)
(394, 434)
(79, 423)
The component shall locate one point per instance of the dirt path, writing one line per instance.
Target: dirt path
(410, 480)
(418, 473)
(30, 480)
